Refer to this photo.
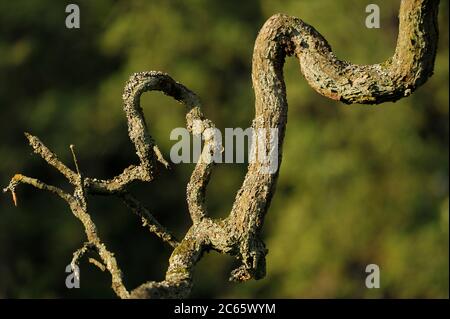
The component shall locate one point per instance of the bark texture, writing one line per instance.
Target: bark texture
(239, 233)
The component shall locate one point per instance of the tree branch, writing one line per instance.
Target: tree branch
(239, 233)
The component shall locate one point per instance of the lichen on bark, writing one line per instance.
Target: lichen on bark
(239, 234)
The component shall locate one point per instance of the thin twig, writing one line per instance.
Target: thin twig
(148, 220)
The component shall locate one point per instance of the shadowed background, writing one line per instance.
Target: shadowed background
(358, 184)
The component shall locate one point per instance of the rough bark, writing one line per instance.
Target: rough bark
(239, 233)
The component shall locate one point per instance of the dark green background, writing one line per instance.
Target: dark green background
(358, 184)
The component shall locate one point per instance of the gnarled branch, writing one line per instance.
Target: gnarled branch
(239, 233)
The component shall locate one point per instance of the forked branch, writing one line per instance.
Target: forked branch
(239, 233)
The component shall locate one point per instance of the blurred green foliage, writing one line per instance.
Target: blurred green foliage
(358, 184)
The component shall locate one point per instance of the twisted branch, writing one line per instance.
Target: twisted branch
(239, 233)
